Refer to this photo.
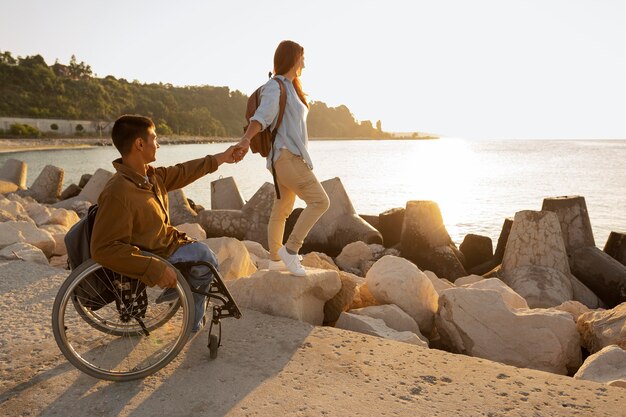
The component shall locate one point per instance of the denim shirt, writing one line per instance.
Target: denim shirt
(292, 133)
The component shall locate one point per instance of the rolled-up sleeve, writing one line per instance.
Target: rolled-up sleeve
(267, 111)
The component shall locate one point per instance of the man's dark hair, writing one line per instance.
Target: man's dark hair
(128, 128)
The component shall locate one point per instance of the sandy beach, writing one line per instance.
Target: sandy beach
(268, 366)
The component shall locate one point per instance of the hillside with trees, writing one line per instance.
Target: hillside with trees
(31, 88)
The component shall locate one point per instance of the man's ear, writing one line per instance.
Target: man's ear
(138, 143)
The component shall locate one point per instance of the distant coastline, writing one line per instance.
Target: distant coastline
(25, 145)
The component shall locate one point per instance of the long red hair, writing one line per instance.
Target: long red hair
(286, 56)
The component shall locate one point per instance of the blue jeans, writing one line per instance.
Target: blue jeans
(200, 276)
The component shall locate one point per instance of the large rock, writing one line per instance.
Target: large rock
(70, 191)
(393, 316)
(232, 255)
(47, 186)
(607, 366)
(93, 188)
(476, 249)
(438, 283)
(390, 226)
(256, 249)
(479, 323)
(258, 254)
(602, 328)
(84, 179)
(43, 215)
(339, 225)
(510, 297)
(425, 241)
(90, 192)
(615, 247)
(574, 219)
(225, 195)
(584, 295)
(363, 297)
(7, 187)
(179, 209)
(535, 262)
(5, 216)
(249, 223)
(282, 294)
(25, 252)
(21, 231)
(342, 300)
(535, 239)
(605, 276)
(58, 233)
(393, 280)
(13, 176)
(541, 287)
(485, 267)
(354, 256)
(470, 279)
(376, 327)
(602, 274)
(575, 308)
(193, 230)
(15, 208)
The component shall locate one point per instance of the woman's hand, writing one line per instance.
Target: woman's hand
(241, 148)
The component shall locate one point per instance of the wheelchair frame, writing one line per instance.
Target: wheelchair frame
(120, 326)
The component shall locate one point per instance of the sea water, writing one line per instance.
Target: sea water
(477, 183)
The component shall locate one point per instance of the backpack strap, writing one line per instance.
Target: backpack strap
(281, 106)
(281, 111)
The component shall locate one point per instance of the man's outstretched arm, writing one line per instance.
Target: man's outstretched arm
(185, 173)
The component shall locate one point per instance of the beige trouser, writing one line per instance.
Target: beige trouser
(294, 178)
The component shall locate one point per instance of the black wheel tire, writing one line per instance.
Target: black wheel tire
(213, 346)
(60, 303)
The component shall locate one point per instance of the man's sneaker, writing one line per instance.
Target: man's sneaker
(292, 262)
(168, 294)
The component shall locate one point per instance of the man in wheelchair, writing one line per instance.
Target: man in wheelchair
(133, 220)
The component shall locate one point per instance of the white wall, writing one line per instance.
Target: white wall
(66, 127)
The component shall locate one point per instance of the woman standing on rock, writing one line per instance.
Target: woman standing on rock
(292, 163)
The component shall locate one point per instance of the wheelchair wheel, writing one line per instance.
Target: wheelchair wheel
(113, 339)
(104, 315)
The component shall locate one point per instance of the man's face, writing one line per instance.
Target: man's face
(150, 145)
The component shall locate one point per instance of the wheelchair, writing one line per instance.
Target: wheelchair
(116, 328)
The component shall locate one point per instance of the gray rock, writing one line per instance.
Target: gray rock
(47, 186)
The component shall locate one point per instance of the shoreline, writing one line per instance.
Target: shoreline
(27, 145)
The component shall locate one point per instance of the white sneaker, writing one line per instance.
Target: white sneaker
(292, 262)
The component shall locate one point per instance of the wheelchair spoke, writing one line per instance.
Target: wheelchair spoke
(101, 335)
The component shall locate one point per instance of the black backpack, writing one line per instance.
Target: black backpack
(78, 238)
(93, 292)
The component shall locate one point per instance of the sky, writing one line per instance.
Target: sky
(473, 69)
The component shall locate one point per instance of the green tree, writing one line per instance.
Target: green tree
(31, 88)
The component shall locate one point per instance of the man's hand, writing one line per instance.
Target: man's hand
(241, 148)
(229, 156)
(167, 278)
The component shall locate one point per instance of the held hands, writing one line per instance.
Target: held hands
(230, 155)
(241, 149)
